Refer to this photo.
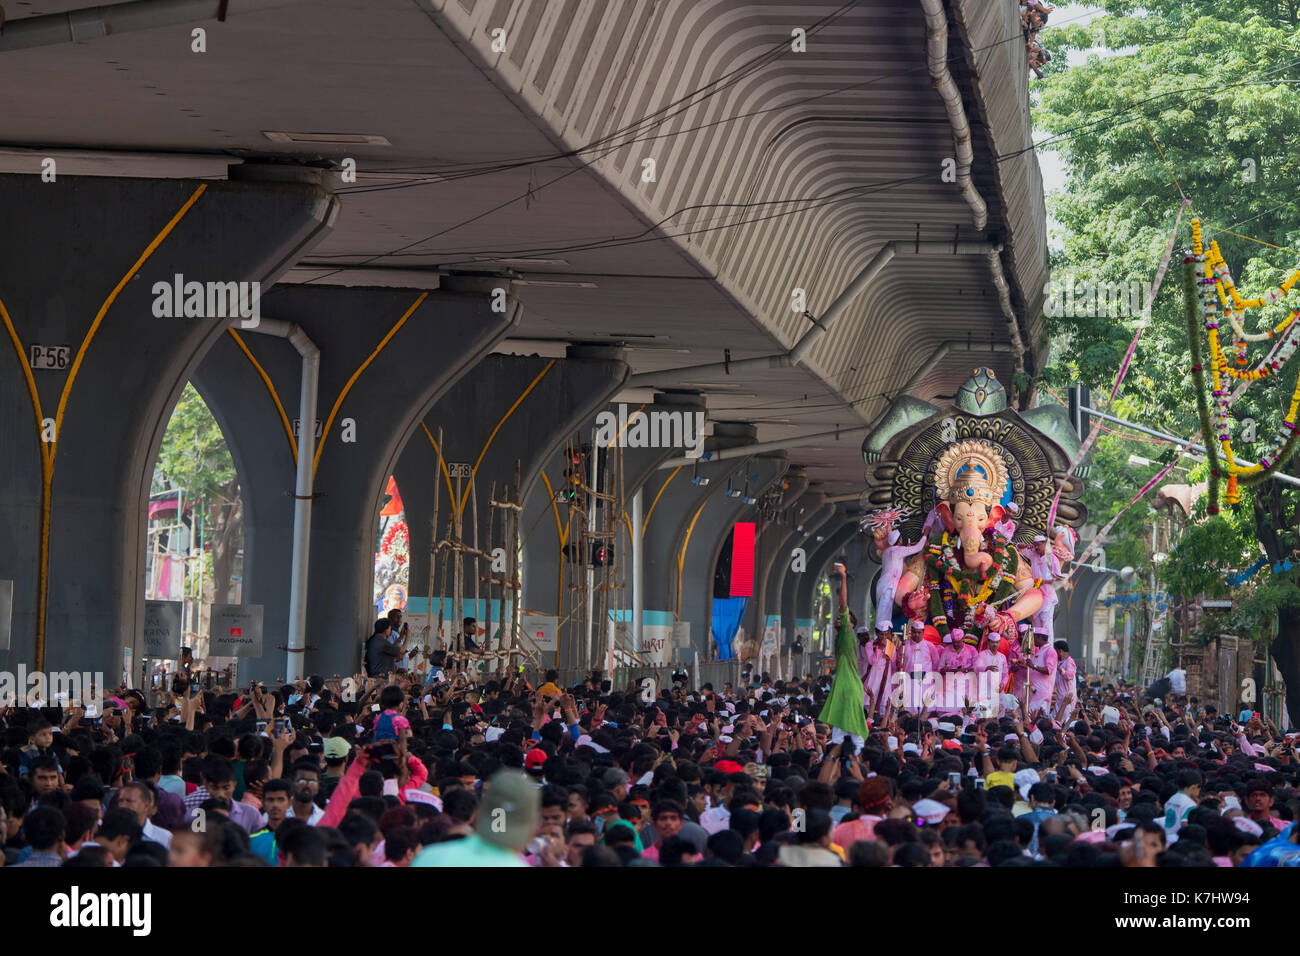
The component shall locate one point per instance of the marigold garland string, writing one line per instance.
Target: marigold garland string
(1207, 269)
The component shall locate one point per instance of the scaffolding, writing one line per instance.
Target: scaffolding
(456, 567)
(596, 533)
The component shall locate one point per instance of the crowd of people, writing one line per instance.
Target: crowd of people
(455, 767)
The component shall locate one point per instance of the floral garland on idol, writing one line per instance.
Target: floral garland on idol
(1208, 269)
(954, 587)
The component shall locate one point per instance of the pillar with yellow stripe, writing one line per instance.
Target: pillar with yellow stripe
(510, 411)
(387, 355)
(689, 524)
(111, 291)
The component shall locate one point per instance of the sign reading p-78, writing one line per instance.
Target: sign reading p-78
(55, 357)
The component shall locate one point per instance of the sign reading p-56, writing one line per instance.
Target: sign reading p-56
(53, 357)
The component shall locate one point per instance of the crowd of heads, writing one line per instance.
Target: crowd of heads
(395, 771)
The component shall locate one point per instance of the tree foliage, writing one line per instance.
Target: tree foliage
(194, 456)
(1195, 98)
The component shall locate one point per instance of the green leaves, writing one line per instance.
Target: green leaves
(194, 453)
(1202, 97)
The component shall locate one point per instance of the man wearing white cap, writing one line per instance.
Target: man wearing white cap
(956, 662)
(990, 673)
(919, 661)
(931, 811)
(881, 658)
(1042, 673)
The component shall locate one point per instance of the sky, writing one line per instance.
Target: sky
(1048, 161)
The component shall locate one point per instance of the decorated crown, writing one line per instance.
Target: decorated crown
(970, 471)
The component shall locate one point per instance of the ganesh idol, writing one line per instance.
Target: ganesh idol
(969, 576)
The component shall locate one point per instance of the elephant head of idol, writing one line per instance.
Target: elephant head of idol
(970, 480)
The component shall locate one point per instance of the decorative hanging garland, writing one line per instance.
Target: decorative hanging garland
(1209, 270)
(972, 587)
(397, 542)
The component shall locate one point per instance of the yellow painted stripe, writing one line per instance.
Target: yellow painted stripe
(357, 374)
(108, 303)
(270, 387)
(645, 522)
(560, 531)
(681, 557)
(47, 482)
(518, 401)
(443, 463)
(47, 493)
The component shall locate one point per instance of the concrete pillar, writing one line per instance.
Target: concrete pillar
(387, 355)
(509, 411)
(672, 498)
(809, 511)
(1073, 619)
(862, 571)
(546, 523)
(769, 545)
(819, 561)
(91, 270)
(788, 582)
(700, 541)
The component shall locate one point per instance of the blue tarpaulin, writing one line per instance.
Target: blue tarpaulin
(727, 613)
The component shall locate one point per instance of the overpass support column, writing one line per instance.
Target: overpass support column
(507, 420)
(788, 582)
(769, 546)
(386, 356)
(111, 293)
(842, 528)
(701, 539)
(809, 511)
(545, 583)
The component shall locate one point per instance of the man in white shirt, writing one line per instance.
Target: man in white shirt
(1177, 681)
(306, 784)
(1184, 801)
(138, 797)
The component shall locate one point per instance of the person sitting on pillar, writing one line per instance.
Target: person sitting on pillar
(469, 630)
(843, 710)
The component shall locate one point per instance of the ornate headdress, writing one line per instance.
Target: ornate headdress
(970, 471)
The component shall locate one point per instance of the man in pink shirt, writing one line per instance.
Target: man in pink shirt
(881, 665)
(1042, 673)
(918, 663)
(990, 673)
(956, 661)
(1015, 672)
(1065, 686)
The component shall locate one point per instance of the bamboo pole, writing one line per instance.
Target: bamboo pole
(433, 541)
(473, 495)
(512, 517)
